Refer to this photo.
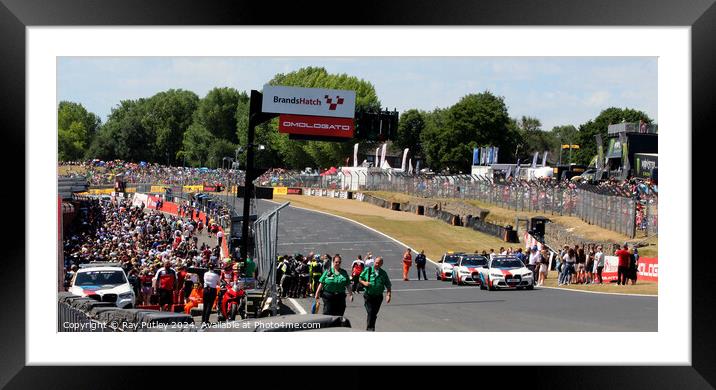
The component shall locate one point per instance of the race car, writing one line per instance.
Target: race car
(105, 283)
(444, 269)
(505, 272)
(467, 269)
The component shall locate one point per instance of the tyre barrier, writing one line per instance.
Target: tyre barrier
(469, 221)
(82, 314)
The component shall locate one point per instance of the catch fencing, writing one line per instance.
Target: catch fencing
(266, 244)
(602, 206)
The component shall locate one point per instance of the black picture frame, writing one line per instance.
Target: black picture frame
(16, 15)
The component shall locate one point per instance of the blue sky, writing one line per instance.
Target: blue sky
(556, 90)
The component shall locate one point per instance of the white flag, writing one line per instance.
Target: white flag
(534, 160)
(410, 166)
(376, 163)
(544, 158)
(382, 156)
(355, 155)
(405, 156)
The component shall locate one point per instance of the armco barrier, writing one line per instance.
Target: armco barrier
(474, 223)
(81, 314)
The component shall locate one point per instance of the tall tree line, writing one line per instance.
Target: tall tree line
(176, 127)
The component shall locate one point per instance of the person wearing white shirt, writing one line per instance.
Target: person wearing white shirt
(535, 258)
(219, 236)
(211, 280)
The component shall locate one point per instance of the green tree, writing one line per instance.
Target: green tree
(217, 112)
(196, 144)
(532, 138)
(170, 114)
(476, 120)
(410, 127)
(599, 125)
(128, 134)
(432, 138)
(76, 127)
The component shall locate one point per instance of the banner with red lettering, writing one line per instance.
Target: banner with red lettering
(647, 269)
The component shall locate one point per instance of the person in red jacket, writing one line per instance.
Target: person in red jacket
(165, 280)
(623, 270)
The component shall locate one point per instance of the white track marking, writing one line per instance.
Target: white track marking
(297, 306)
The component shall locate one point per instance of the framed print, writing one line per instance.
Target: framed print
(615, 72)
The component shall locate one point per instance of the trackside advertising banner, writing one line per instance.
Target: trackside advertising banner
(280, 191)
(294, 191)
(647, 269)
(316, 125)
(309, 101)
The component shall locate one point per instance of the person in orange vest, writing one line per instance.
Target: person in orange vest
(407, 263)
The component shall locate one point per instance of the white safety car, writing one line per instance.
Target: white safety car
(105, 283)
(467, 269)
(443, 271)
(505, 272)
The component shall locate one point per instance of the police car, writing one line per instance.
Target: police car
(467, 269)
(105, 282)
(444, 269)
(505, 272)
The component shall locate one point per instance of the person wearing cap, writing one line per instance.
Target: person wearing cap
(375, 280)
(332, 289)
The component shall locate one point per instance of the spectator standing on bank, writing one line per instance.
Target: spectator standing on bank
(211, 280)
(375, 280)
(599, 263)
(534, 261)
(590, 264)
(570, 258)
(407, 263)
(420, 261)
(633, 265)
(623, 269)
(543, 267)
(332, 289)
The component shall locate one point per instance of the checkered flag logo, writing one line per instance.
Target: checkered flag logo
(331, 105)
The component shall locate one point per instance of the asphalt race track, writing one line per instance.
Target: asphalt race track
(439, 306)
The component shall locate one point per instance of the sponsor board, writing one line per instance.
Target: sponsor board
(198, 188)
(140, 199)
(209, 189)
(358, 196)
(324, 192)
(316, 125)
(100, 191)
(647, 269)
(294, 191)
(157, 189)
(280, 191)
(309, 101)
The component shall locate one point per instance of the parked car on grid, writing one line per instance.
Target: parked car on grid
(505, 272)
(467, 269)
(444, 269)
(105, 282)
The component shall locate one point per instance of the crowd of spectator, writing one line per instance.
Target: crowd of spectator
(99, 172)
(144, 242)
